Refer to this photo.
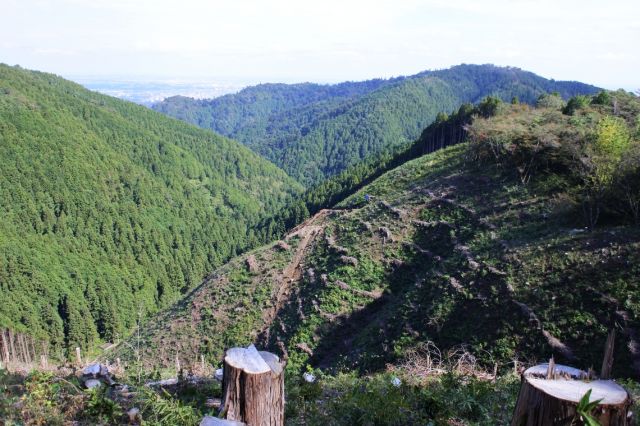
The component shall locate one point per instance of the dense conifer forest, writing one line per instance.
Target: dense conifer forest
(111, 211)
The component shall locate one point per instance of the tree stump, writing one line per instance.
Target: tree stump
(214, 421)
(253, 387)
(550, 394)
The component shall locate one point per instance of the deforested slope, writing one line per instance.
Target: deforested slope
(489, 245)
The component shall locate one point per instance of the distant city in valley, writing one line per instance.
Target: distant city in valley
(149, 91)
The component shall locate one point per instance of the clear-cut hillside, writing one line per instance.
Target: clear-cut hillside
(451, 247)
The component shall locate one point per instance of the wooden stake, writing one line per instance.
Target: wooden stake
(20, 345)
(25, 349)
(27, 354)
(45, 349)
(607, 361)
(33, 348)
(551, 369)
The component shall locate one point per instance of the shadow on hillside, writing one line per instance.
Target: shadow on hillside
(444, 298)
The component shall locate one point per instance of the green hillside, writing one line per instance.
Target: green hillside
(110, 210)
(316, 131)
(491, 245)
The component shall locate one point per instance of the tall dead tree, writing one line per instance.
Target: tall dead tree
(12, 346)
(18, 349)
(253, 387)
(4, 341)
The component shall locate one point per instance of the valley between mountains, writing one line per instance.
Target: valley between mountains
(409, 245)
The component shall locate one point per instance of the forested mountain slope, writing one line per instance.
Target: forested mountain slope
(111, 210)
(491, 244)
(316, 131)
(254, 105)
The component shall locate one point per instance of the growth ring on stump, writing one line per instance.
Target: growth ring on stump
(550, 395)
(253, 387)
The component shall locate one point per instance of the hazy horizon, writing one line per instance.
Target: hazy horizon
(295, 41)
(249, 81)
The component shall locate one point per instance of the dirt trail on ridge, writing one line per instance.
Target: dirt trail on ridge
(307, 232)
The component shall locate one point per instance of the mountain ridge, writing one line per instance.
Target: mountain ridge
(315, 131)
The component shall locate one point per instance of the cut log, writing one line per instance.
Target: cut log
(253, 387)
(551, 401)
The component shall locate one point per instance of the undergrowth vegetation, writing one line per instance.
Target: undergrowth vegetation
(391, 399)
(457, 394)
(591, 147)
(47, 398)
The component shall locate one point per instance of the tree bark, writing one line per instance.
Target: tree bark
(553, 401)
(12, 345)
(5, 347)
(253, 387)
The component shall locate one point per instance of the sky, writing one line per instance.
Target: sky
(594, 41)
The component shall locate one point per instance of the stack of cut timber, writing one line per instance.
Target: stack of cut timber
(253, 387)
(550, 394)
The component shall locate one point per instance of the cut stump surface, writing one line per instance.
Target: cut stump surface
(253, 387)
(553, 400)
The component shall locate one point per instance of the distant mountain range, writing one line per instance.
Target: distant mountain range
(315, 131)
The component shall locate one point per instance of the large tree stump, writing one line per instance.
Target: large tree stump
(550, 393)
(253, 387)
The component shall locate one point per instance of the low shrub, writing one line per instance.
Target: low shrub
(392, 398)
